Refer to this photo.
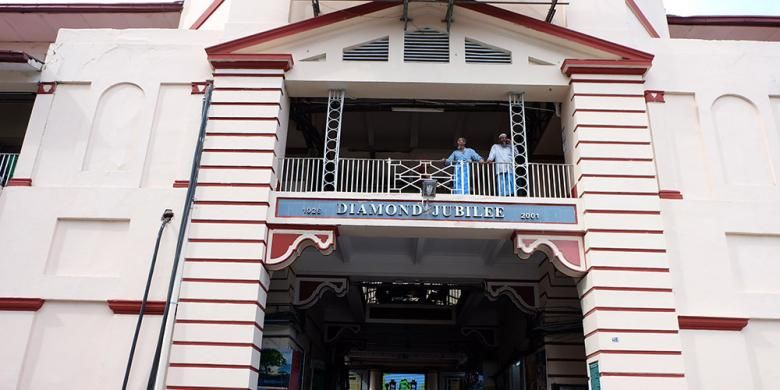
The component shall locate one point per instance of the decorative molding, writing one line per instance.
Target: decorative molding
(486, 335)
(21, 304)
(19, 182)
(46, 88)
(565, 250)
(670, 194)
(522, 294)
(252, 61)
(285, 244)
(213, 7)
(199, 87)
(712, 323)
(181, 183)
(334, 331)
(309, 290)
(654, 97)
(120, 306)
(640, 16)
(606, 67)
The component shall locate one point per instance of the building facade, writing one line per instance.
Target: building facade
(327, 233)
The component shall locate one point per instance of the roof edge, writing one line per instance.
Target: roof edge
(486, 9)
(93, 8)
(740, 21)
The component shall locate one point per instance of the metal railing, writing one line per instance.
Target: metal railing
(7, 165)
(304, 174)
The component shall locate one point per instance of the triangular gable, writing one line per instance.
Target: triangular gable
(608, 57)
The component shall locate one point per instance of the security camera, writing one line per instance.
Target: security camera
(167, 215)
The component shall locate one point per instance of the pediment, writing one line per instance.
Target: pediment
(373, 35)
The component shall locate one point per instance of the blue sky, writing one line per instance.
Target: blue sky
(722, 7)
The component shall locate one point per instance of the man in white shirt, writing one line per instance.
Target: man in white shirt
(503, 154)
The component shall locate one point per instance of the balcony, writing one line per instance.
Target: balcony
(7, 165)
(402, 176)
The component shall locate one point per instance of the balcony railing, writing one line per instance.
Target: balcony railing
(7, 165)
(390, 176)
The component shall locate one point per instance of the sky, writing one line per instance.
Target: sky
(722, 7)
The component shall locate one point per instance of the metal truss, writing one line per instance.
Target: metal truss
(519, 144)
(330, 155)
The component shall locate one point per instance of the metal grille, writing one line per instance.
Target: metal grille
(517, 126)
(426, 45)
(481, 53)
(376, 50)
(332, 139)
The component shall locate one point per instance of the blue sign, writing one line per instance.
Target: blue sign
(595, 376)
(430, 211)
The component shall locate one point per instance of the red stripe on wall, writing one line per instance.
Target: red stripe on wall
(236, 167)
(644, 374)
(248, 89)
(230, 203)
(712, 323)
(612, 143)
(643, 250)
(223, 302)
(631, 352)
(610, 95)
(607, 110)
(243, 118)
(211, 365)
(21, 304)
(230, 221)
(239, 151)
(206, 388)
(634, 269)
(636, 289)
(618, 193)
(645, 212)
(645, 331)
(631, 309)
(247, 185)
(628, 159)
(628, 231)
(206, 260)
(227, 240)
(217, 344)
(606, 81)
(226, 281)
(220, 322)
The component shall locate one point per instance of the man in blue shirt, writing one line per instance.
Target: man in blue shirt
(461, 158)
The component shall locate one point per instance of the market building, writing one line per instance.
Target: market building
(287, 170)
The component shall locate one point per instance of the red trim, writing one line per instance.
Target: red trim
(631, 309)
(223, 301)
(251, 61)
(235, 167)
(93, 8)
(230, 221)
(607, 110)
(610, 176)
(206, 14)
(230, 203)
(740, 21)
(212, 365)
(628, 231)
(277, 75)
(21, 304)
(247, 89)
(612, 143)
(561, 32)
(204, 260)
(631, 289)
(302, 26)
(226, 240)
(618, 193)
(220, 322)
(217, 344)
(181, 183)
(600, 126)
(628, 159)
(633, 269)
(631, 352)
(603, 81)
(256, 185)
(46, 88)
(642, 18)
(644, 374)
(19, 182)
(205, 388)
(246, 104)
(712, 323)
(119, 306)
(617, 95)
(645, 331)
(655, 96)
(670, 194)
(645, 250)
(237, 118)
(212, 134)
(611, 67)
(646, 212)
(199, 88)
(226, 281)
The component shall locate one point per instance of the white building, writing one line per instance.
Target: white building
(635, 247)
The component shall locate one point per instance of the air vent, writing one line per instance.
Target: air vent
(426, 45)
(375, 50)
(481, 53)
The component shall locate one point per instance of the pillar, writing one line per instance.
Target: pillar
(628, 305)
(219, 323)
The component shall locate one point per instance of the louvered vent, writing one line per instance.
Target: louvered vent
(478, 52)
(426, 45)
(375, 50)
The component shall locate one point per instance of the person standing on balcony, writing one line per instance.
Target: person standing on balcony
(461, 157)
(502, 154)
